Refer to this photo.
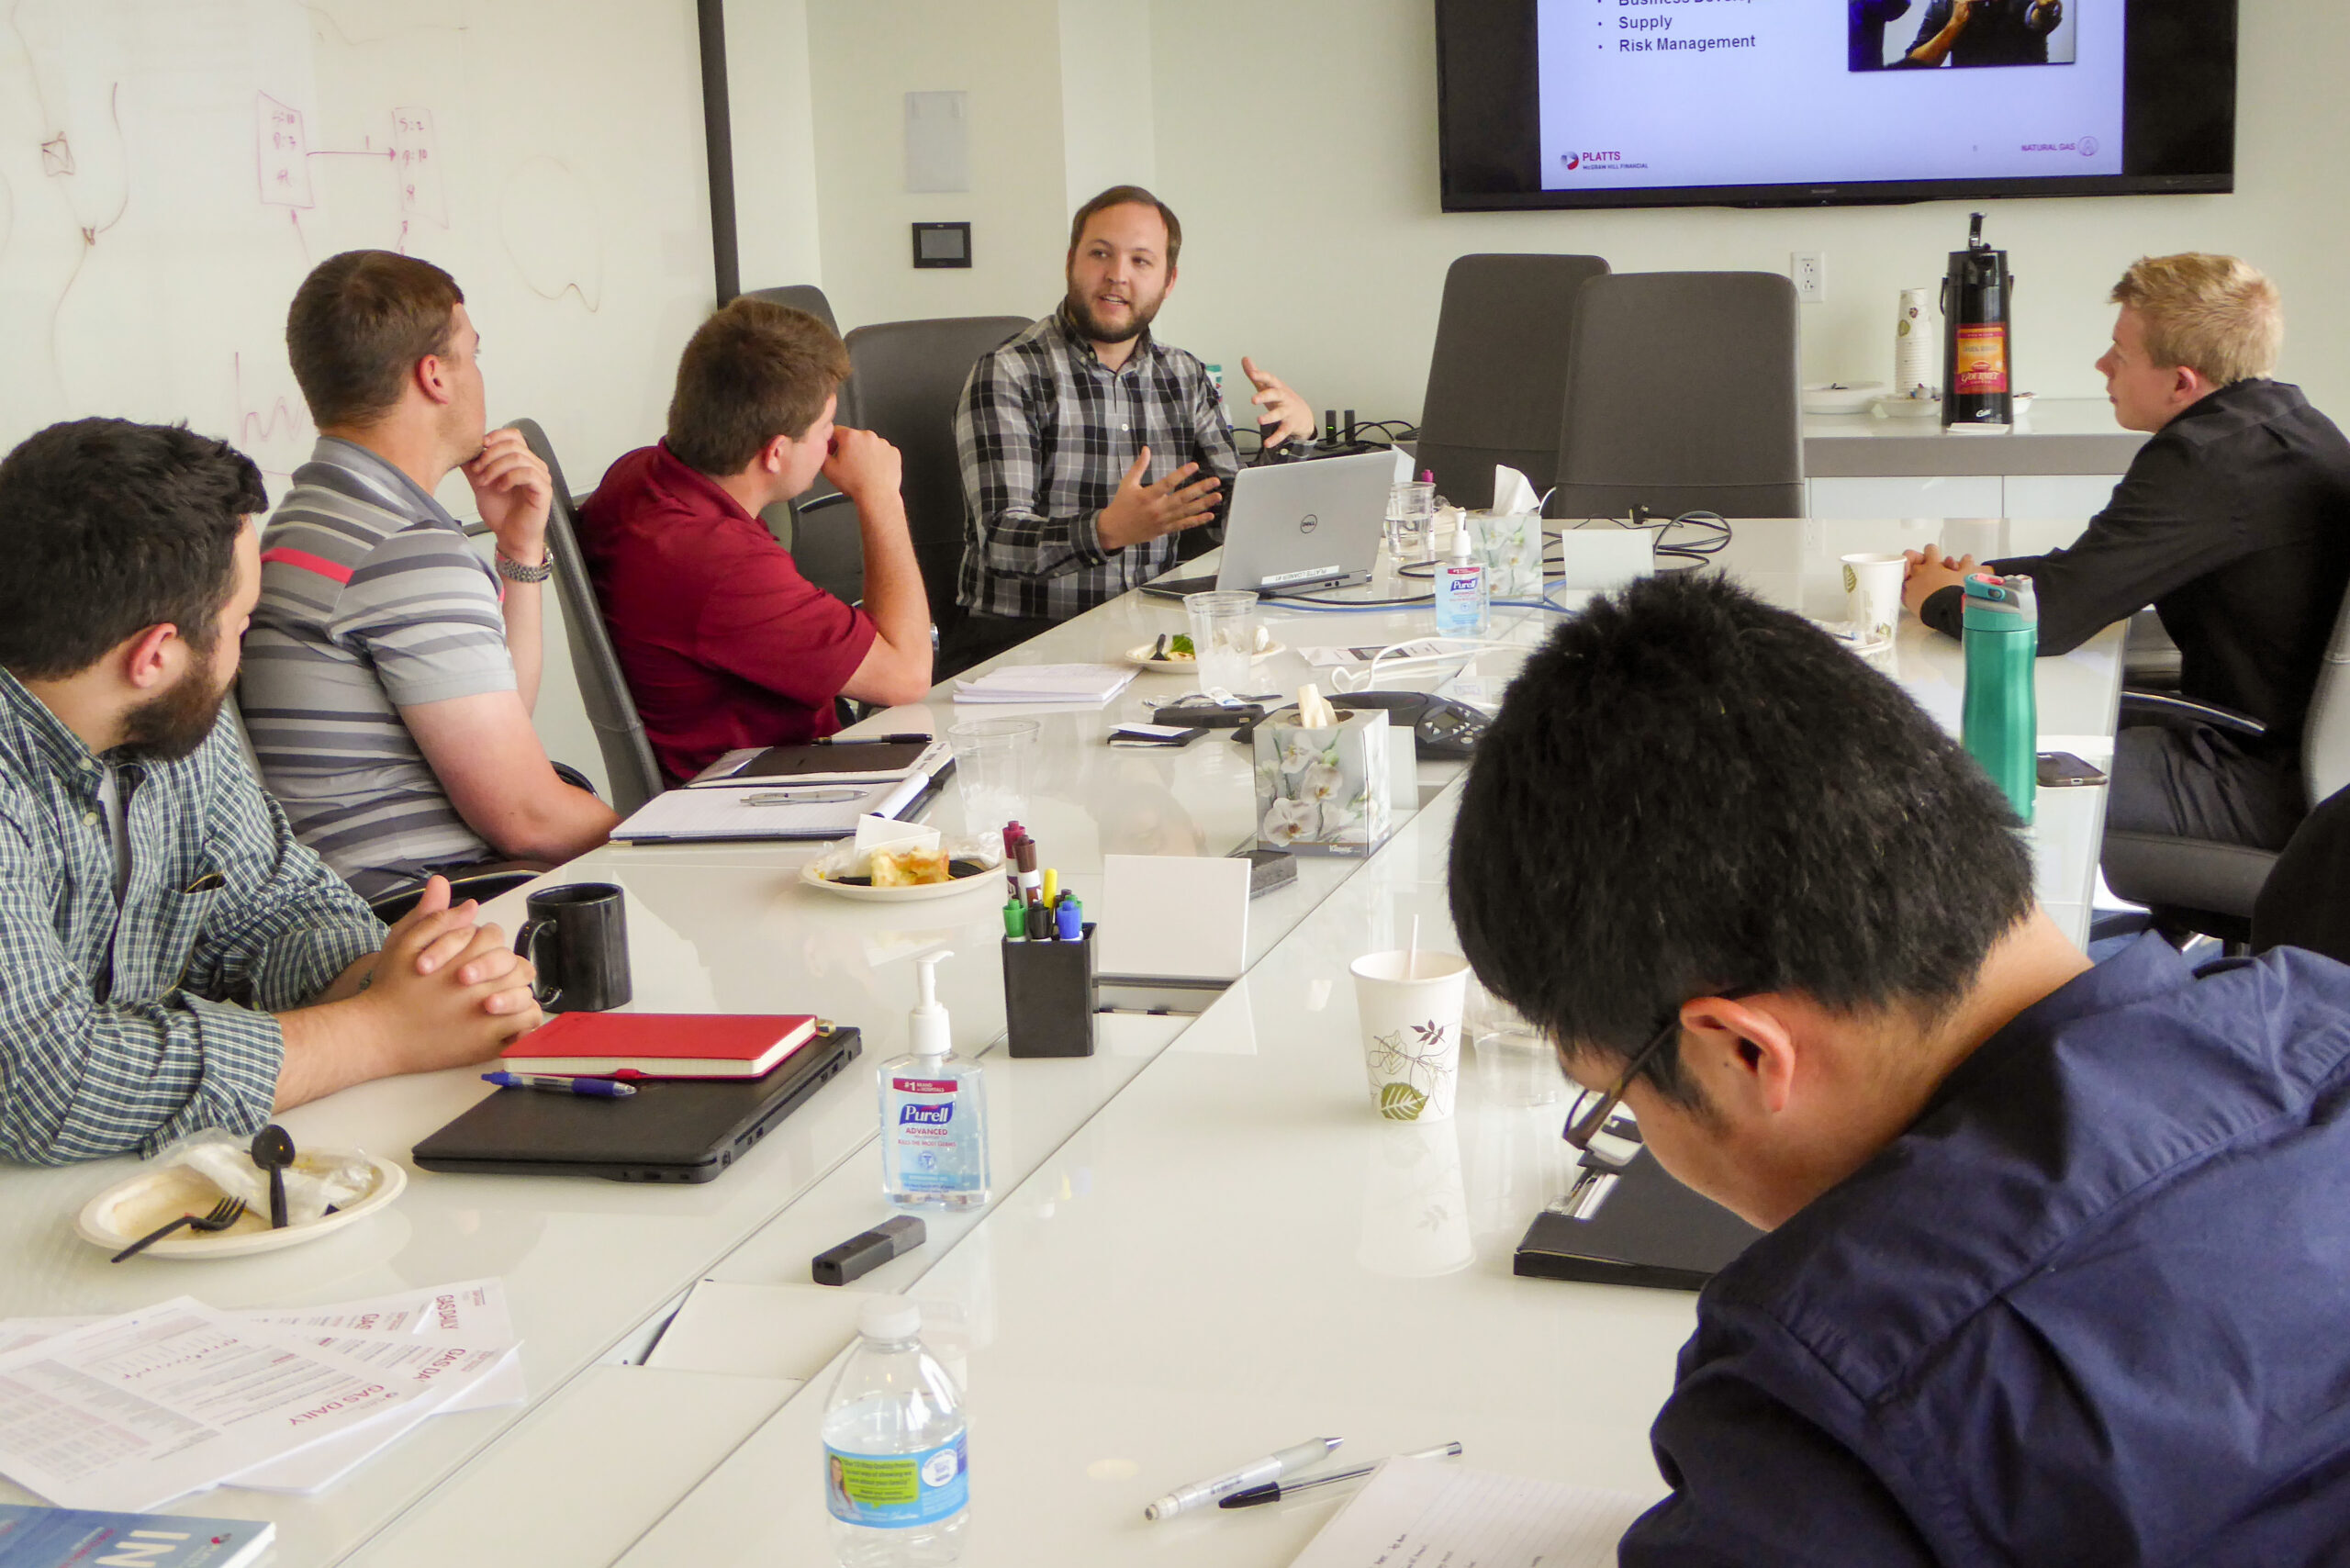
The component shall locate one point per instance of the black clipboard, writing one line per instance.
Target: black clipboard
(876, 761)
(1648, 1230)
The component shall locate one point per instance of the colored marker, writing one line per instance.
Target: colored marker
(1052, 886)
(1015, 921)
(1070, 914)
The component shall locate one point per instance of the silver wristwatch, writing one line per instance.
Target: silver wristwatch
(515, 572)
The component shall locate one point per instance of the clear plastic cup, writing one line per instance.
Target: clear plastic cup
(1224, 638)
(995, 762)
(1411, 517)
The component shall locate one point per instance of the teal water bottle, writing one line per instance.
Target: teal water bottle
(2000, 724)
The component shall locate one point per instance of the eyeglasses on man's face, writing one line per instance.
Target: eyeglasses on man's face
(1594, 1128)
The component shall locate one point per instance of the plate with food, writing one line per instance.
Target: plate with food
(907, 872)
(1173, 652)
(128, 1210)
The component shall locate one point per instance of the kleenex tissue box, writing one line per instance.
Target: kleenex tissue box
(1324, 790)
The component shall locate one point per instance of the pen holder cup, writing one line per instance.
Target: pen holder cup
(1323, 791)
(1050, 995)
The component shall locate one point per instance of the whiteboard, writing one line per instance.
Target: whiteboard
(169, 170)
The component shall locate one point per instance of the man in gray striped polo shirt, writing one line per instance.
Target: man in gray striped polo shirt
(389, 675)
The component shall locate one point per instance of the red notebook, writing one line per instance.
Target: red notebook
(659, 1045)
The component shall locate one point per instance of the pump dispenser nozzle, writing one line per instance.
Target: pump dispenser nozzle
(927, 1030)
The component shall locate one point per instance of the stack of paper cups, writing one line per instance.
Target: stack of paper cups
(1916, 344)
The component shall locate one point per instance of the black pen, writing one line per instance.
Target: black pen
(1275, 1490)
(871, 740)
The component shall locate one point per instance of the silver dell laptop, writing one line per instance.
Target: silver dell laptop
(1295, 526)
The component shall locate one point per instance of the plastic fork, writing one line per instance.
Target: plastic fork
(224, 1214)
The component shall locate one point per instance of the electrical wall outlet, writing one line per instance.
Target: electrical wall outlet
(1809, 269)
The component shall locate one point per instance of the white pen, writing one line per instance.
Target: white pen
(1256, 1473)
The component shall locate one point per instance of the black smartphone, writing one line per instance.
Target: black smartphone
(2060, 770)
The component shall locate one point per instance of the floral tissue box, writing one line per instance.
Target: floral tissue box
(1323, 791)
(1511, 545)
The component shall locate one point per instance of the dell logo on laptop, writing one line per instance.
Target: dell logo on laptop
(1308, 523)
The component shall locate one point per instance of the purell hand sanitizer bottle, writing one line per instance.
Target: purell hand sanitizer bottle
(933, 1114)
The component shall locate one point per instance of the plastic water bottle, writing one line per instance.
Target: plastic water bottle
(1999, 723)
(896, 1477)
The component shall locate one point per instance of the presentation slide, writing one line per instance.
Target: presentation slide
(1672, 93)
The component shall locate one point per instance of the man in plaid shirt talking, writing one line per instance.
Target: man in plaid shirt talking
(170, 958)
(1087, 444)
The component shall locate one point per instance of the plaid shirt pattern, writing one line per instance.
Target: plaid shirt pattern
(1044, 431)
(120, 1027)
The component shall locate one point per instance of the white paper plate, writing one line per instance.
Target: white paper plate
(128, 1210)
(1908, 408)
(1141, 658)
(1842, 397)
(992, 877)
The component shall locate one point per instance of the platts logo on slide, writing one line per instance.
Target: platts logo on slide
(1609, 161)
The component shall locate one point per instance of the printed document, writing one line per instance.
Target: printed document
(1422, 1512)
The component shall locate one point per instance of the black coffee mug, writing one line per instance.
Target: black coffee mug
(576, 937)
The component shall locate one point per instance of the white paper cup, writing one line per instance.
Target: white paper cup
(1411, 1005)
(1873, 594)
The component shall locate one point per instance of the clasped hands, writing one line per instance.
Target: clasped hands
(1929, 572)
(441, 972)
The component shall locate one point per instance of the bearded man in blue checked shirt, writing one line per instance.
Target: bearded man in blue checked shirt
(1087, 444)
(170, 958)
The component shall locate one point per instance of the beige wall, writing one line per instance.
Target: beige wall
(864, 56)
(769, 98)
(1297, 138)
(1331, 272)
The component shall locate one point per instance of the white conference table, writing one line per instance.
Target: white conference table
(1218, 1191)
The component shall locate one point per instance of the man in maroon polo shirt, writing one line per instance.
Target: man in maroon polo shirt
(723, 642)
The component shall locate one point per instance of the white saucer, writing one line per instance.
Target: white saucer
(128, 1210)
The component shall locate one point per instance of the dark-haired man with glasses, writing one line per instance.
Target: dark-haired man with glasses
(2055, 1251)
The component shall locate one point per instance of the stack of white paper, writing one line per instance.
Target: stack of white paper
(1091, 684)
(127, 1413)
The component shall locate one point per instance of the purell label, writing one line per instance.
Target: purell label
(912, 1115)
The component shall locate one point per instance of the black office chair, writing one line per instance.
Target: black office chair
(909, 376)
(1497, 377)
(2305, 902)
(634, 775)
(1681, 395)
(2191, 885)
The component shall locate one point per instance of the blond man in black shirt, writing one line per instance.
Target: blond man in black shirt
(2234, 523)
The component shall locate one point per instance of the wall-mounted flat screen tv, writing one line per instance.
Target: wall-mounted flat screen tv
(1793, 103)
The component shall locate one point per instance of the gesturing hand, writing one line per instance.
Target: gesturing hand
(1140, 511)
(1286, 415)
(512, 489)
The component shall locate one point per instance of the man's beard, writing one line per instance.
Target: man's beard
(1081, 310)
(171, 725)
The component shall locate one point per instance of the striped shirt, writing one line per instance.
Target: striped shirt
(1044, 431)
(119, 1027)
(371, 602)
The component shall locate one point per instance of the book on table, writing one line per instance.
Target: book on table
(659, 1045)
(35, 1537)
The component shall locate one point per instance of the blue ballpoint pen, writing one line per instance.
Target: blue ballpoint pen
(603, 1088)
